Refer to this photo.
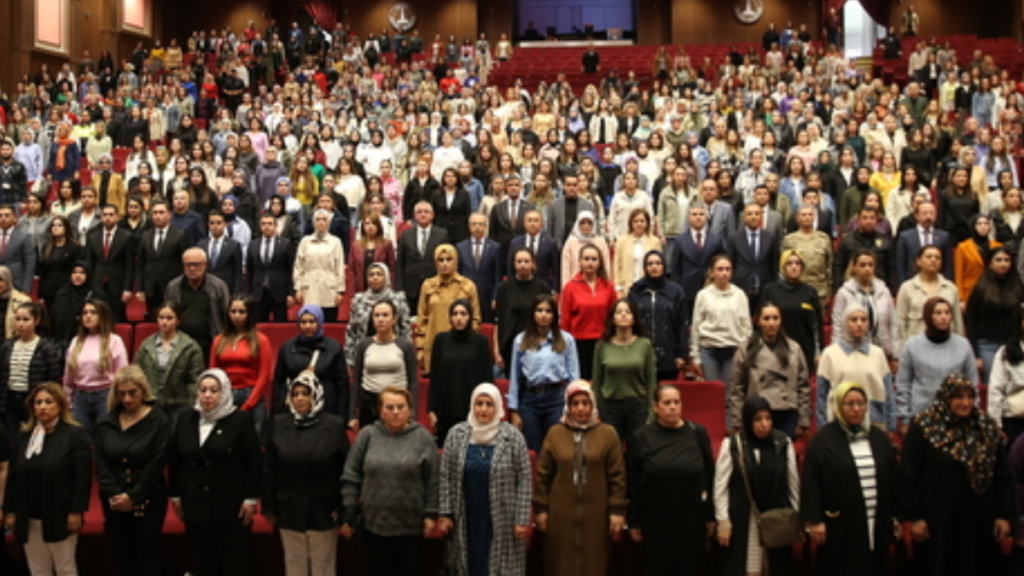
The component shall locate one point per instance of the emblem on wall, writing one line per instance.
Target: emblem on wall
(403, 17)
(748, 11)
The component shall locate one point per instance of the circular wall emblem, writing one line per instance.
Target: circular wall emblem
(403, 17)
(748, 11)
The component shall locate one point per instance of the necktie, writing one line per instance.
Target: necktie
(753, 243)
(700, 241)
(927, 237)
(159, 240)
(106, 244)
(266, 250)
(512, 214)
(476, 254)
(214, 252)
(423, 242)
(533, 246)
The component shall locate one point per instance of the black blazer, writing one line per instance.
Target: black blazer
(501, 229)
(155, 271)
(765, 266)
(908, 245)
(331, 370)
(455, 219)
(215, 478)
(302, 472)
(487, 276)
(115, 272)
(548, 259)
(415, 268)
(689, 264)
(414, 192)
(55, 271)
(229, 263)
(62, 475)
(276, 275)
(132, 461)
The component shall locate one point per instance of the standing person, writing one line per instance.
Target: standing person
(371, 246)
(663, 310)
(547, 263)
(508, 217)
(695, 252)
(862, 286)
(480, 261)
(585, 302)
(756, 471)
(485, 490)
(1004, 385)
(926, 359)
(269, 263)
(625, 371)
(214, 470)
(303, 460)
(360, 320)
(10, 299)
(130, 454)
(56, 258)
(65, 308)
(815, 249)
(850, 468)
(854, 358)
(800, 305)
(436, 296)
(579, 496)
(630, 250)
(721, 322)
(26, 362)
(461, 360)
(772, 366)
(584, 232)
(959, 490)
(971, 257)
(310, 349)
(226, 254)
(110, 252)
(514, 303)
(172, 361)
(159, 260)
(48, 483)
(204, 299)
(918, 289)
(754, 253)
(671, 479)
(319, 271)
(244, 353)
(416, 251)
(384, 360)
(17, 251)
(991, 307)
(391, 476)
(94, 358)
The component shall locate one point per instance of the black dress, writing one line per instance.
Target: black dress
(460, 360)
(800, 306)
(514, 300)
(959, 520)
(131, 461)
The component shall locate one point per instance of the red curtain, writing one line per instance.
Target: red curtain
(323, 13)
(879, 10)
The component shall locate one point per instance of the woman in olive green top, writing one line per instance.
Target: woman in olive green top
(172, 361)
(625, 371)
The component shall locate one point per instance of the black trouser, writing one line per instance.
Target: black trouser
(117, 307)
(585, 352)
(368, 413)
(331, 314)
(267, 306)
(626, 416)
(136, 545)
(666, 557)
(218, 548)
(15, 414)
(444, 425)
(394, 555)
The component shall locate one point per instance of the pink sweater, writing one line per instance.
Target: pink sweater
(88, 377)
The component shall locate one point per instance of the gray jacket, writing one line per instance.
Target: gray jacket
(219, 295)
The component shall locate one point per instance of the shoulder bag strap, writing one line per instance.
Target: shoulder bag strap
(743, 471)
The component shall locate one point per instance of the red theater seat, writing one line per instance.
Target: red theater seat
(125, 332)
(704, 403)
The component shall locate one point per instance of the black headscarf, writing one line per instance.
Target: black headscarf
(981, 241)
(856, 180)
(467, 332)
(648, 282)
(761, 471)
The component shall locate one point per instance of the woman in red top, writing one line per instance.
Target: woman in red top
(585, 302)
(245, 355)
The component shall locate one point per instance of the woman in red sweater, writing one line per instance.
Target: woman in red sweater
(585, 302)
(245, 355)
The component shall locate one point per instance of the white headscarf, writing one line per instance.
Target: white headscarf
(485, 433)
(227, 400)
(577, 233)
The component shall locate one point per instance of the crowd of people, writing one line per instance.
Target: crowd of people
(843, 254)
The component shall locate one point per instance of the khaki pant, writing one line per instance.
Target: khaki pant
(310, 553)
(49, 558)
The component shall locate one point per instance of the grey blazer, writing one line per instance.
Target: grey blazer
(557, 226)
(19, 256)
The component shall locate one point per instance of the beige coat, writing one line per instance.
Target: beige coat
(910, 306)
(625, 261)
(319, 270)
(785, 388)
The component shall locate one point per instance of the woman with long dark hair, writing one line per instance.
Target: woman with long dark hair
(957, 204)
(625, 370)
(771, 366)
(94, 357)
(991, 308)
(56, 258)
(244, 353)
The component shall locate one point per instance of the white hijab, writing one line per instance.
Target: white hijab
(227, 401)
(485, 433)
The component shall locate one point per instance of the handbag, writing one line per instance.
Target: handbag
(778, 527)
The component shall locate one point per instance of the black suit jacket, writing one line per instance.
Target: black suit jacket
(908, 245)
(302, 472)
(115, 272)
(154, 271)
(628, 125)
(414, 268)
(488, 275)
(689, 264)
(414, 192)
(746, 267)
(501, 229)
(228, 266)
(275, 275)
(213, 479)
(455, 219)
(548, 259)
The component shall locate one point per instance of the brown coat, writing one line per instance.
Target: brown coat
(577, 538)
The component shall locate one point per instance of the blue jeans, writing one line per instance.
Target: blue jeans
(987, 351)
(90, 407)
(259, 412)
(16, 413)
(539, 412)
(717, 363)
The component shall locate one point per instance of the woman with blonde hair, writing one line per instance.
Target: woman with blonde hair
(94, 357)
(436, 297)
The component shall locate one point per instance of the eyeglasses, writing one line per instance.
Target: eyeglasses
(858, 404)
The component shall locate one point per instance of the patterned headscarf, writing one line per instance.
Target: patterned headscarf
(308, 379)
(574, 388)
(973, 441)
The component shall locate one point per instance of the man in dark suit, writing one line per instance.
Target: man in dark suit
(508, 216)
(910, 242)
(480, 261)
(564, 210)
(755, 255)
(111, 254)
(186, 219)
(159, 258)
(225, 254)
(693, 252)
(269, 264)
(17, 252)
(416, 247)
(546, 254)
